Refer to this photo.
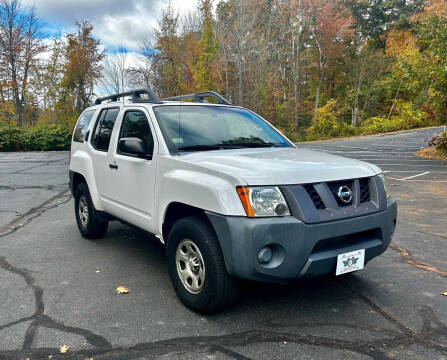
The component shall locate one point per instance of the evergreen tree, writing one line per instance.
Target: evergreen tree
(203, 68)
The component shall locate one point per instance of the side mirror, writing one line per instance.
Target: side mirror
(134, 146)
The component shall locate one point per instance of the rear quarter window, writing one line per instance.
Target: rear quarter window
(82, 125)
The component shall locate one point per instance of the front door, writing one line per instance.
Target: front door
(133, 178)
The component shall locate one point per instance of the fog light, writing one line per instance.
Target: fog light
(265, 255)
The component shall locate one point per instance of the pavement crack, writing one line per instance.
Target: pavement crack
(230, 353)
(427, 233)
(33, 213)
(377, 349)
(33, 187)
(41, 319)
(408, 258)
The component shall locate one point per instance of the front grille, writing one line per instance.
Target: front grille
(315, 197)
(335, 186)
(327, 206)
(365, 195)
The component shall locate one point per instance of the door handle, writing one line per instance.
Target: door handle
(113, 166)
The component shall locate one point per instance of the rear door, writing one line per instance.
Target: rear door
(133, 178)
(101, 155)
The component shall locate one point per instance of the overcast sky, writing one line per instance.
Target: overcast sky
(116, 22)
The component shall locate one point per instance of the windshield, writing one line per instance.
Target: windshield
(201, 128)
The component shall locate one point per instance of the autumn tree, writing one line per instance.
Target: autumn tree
(83, 56)
(51, 73)
(167, 61)
(19, 46)
(330, 28)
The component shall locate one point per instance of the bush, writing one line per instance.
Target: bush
(439, 142)
(37, 138)
(406, 118)
(329, 125)
(379, 124)
(11, 138)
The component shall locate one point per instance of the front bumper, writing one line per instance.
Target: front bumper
(300, 249)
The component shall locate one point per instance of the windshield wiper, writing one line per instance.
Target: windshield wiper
(227, 146)
(199, 147)
(256, 144)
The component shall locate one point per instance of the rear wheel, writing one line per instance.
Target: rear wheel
(196, 266)
(90, 224)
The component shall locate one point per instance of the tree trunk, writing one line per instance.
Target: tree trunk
(240, 84)
(317, 95)
(394, 102)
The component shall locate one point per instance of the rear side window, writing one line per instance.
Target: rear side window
(103, 129)
(82, 125)
(136, 125)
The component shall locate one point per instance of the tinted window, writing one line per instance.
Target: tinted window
(82, 125)
(104, 127)
(136, 125)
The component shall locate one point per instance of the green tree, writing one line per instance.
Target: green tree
(375, 17)
(208, 46)
(431, 30)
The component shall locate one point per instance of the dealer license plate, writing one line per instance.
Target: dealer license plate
(349, 262)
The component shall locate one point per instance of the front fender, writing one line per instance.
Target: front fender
(204, 191)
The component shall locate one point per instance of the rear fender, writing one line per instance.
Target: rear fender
(82, 163)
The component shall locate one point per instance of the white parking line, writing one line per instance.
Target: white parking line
(409, 165)
(415, 176)
(412, 171)
(388, 159)
(430, 181)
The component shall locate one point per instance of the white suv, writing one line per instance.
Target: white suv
(226, 192)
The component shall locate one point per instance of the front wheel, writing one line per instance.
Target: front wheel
(196, 266)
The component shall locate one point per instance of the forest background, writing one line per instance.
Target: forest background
(315, 68)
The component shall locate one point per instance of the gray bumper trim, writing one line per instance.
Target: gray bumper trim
(305, 250)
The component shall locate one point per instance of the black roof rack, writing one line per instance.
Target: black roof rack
(200, 97)
(136, 96)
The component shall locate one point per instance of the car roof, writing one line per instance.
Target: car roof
(128, 103)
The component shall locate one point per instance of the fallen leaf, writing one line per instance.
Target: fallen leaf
(122, 290)
(64, 348)
(444, 293)
(97, 271)
(89, 359)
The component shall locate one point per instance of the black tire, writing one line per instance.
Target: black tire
(95, 227)
(218, 289)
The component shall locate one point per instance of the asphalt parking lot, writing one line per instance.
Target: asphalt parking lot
(59, 289)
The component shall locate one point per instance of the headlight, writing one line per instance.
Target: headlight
(387, 192)
(263, 201)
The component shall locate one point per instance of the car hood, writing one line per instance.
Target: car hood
(273, 166)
